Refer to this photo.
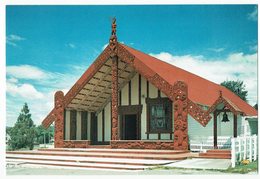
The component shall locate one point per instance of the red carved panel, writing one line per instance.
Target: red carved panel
(76, 144)
(219, 101)
(114, 100)
(198, 114)
(160, 145)
(180, 116)
(59, 119)
(124, 55)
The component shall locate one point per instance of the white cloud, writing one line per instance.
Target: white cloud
(216, 49)
(12, 39)
(12, 80)
(21, 88)
(27, 91)
(235, 66)
(26, 72)
(253, 15)
(104, 46)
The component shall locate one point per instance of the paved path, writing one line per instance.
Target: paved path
(198, 163)
(53, 171)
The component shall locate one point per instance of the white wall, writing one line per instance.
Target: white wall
(108, 122)
(99, 126)
(153, 93)
(88, 127)
(134, 90)
(223, 129)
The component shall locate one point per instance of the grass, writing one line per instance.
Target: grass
(243, 169)
(240, 168)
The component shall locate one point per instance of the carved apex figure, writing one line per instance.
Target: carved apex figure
(113, 39)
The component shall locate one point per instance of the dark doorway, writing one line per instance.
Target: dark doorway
(93, 129)
(130, 127)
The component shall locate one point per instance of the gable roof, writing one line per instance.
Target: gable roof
(200, 90)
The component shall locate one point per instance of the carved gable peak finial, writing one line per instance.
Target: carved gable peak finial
(113, 39)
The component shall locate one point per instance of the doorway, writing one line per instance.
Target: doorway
(130, 127)
(130, 122)
(93, 129)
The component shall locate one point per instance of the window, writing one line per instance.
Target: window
(159, 115)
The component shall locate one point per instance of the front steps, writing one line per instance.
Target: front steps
(117, 159)
(216, 154)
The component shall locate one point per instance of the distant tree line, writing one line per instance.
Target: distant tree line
(239, 88)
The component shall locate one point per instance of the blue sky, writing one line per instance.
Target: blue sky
(49, 47)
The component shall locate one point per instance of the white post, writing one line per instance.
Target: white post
(201, 143)
(233, 152)
(245, 126)
(255, 147)
(239, 148)
(245, 151)
(250, 148)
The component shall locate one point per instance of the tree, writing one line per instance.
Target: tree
(238, 87)
(22, 135)
(256, 106)
(41, 132)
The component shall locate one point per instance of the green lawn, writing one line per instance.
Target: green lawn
(243, 169)
(240, 168)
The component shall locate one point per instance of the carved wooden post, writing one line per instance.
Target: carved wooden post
(235, 125)
(215, 130)
(180, 116)
(114, 102)
(59, 119)
(114, 98)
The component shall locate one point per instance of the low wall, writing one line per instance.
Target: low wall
(142, 144)
(76, 143)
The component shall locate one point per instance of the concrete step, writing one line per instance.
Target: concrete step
(214, 154)
(77, 165)
(215, 157)
(121, 151)
(224, 151)
(217, 154)
(120, 161)
(181, 156)
(87, 160)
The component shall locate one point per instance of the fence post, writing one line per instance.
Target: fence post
(255, 147)
(250, 148)
(245, 151)
(233, 152)
(239, 148)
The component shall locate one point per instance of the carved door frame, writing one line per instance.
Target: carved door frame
(128, 110)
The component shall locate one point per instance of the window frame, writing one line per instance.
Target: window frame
(155, 101)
